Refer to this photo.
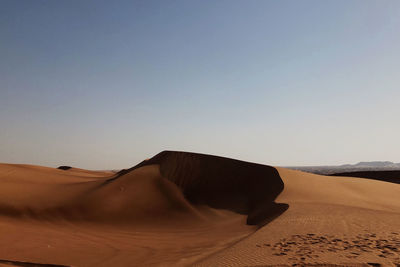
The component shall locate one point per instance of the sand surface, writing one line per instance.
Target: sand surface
(180, 209)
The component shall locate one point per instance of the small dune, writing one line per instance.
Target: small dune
(64, 168)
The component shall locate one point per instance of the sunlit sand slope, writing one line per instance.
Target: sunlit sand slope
(340, 221)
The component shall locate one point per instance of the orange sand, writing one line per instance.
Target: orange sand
(182, 209)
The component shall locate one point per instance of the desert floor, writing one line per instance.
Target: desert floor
(143, 217)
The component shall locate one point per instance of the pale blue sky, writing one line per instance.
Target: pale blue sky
(105, 84)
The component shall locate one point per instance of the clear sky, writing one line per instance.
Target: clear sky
(105, 84)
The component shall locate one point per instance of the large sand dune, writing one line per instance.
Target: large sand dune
(179, 209)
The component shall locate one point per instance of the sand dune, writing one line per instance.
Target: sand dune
(158, 190)
(179, 209)
(223, 183)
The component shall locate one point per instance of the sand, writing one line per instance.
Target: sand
(184, 209)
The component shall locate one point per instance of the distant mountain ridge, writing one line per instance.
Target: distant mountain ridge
(373, 164)
(360, 166)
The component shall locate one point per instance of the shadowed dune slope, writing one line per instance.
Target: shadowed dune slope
(222, 183)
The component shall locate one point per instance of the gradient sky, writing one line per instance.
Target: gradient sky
(105, 84)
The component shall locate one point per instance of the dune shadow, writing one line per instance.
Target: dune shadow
(29, 264)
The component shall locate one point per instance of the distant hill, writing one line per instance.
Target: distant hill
(358, 167)
(375, 164)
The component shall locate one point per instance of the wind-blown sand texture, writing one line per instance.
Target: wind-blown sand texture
(183, 209)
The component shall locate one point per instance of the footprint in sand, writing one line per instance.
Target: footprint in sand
(300, 248)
